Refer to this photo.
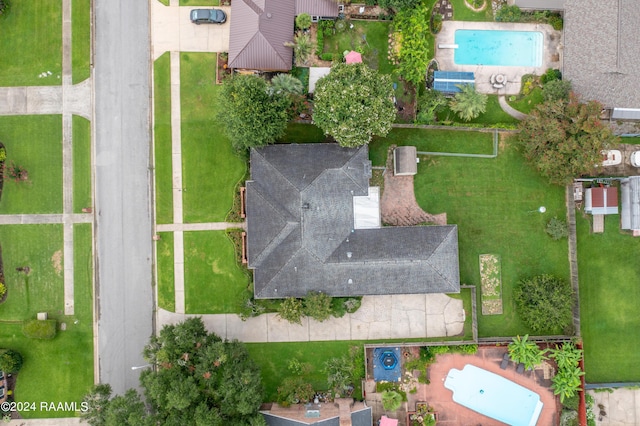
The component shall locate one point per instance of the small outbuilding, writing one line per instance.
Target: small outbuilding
(601, 200)
(630, 212)
(405, 161)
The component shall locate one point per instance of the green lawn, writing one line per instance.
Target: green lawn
(462, 13)
(81, 39)
(214, 283)
(273, 359)
(609, 300)
(33, 142)
(67, 360)
(494, 114)
(493, 202)
(165, 271)
(210, 167)
(465, 295)
(460, 141)
(31, 43)
(304, 133)
(372, 37)
(527, 103)
(81, 163)
(162, 139)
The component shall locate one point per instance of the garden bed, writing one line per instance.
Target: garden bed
(491, 284)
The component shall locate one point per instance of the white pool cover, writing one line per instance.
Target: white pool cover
(494, 396)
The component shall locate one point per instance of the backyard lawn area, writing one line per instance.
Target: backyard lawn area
(81, 39)
(494, 114)
(214, 283)
(494, 202)
(67, 360)
(31, 43)
(462, 13)
(81, 163)
(162, 139)
(211, 169)
(609, 300)
(35, 143)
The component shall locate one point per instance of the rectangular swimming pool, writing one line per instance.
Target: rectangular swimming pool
(494, 396)
(496, 47)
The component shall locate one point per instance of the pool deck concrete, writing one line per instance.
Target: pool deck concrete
(619, 408)
(551, 58)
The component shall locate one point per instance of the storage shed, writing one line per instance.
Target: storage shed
(405, 161)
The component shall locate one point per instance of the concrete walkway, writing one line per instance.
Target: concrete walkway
(379, 317)
(509, 109)
(67, 100)
(173, 31)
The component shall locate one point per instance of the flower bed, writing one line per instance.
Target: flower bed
(491, 284)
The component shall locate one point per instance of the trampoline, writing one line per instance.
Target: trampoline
(387, 365)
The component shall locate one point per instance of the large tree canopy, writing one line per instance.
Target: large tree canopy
(563, 138)
(253, 115)
(353, 103)
(198, 380)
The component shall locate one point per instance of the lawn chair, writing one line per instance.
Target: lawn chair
(520, 368)
(505, 361)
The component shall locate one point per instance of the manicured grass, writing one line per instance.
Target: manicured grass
(609, 300)
(494, 114)
(165, 271)
(81, 164)
(214, 283)
(33, 142)
(493, 202)
(370, 36)
(81, 39)
(465, 295)
(58, 370)
(460, 141)
(31, 43)
(462, 13)
(527, 103)
(210, 167)
(304, 133)
(273, 359)
(162, 139)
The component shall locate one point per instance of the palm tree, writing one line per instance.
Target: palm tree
(468, 103)
(302, 48)
(391, 400)
(284, 84)
(523, 351)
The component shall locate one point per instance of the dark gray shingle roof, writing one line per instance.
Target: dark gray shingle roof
(301, 237)
(602, 50)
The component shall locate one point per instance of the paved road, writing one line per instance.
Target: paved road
(123, 217)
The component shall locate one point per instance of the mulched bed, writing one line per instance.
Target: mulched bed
(222, 70)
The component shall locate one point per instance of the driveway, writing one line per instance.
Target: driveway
(172, 30)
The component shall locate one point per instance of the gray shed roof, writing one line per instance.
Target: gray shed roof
(259, 29)
(602, 50)
(540, 4)
(301, 237)
(362, 417)
(630, 211)
(405, 161)
(324, 8)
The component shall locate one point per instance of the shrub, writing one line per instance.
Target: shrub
(508, 13)
(303, 21)
(294, 390)
(250, 308)
(3, 152)
(4, 6)
(352, 304)
(569, 418)
(556, 22)
(557, 228)
(550, 75)
(556, 90)
(571, 403)
(291, 310)
(430, 103)
(327, 56)
(40, 329)
(3, 290)
(317, 305)
(10, 361)
(436, 23)
(319, 41)
(544, 303)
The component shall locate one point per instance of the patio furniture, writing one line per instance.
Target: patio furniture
(505, 361)
(520, 368)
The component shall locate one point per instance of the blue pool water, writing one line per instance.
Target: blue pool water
(493, 47)
(494, 396)
(386, 365)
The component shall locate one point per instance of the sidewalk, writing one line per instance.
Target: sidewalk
(380, 317)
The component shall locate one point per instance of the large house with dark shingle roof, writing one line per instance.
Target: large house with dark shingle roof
(302, 212)
(260, 29)
(602, 51)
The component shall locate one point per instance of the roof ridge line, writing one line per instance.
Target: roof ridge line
(428, 260)
(284, 233)
(253, 6)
